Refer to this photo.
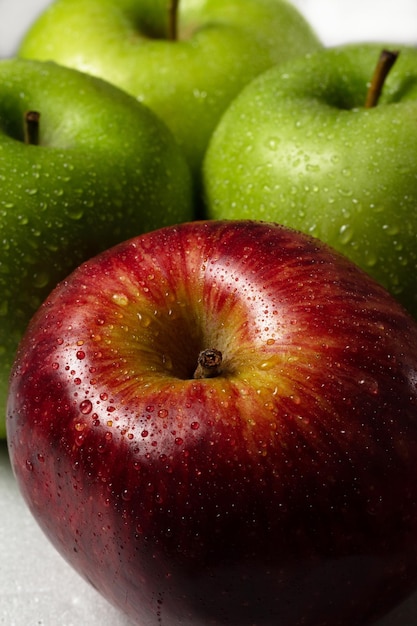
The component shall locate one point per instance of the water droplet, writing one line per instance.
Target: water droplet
(179, 441)
(273, 143)
(371, 259)
(80, 355)
(29, 465)
(86, 407)
(163, 413)
(346, 234)
(391, 229)
(268, 364)
(75, 213)
(126, 495)
(120, 299)
(195, 425)
(40, 279)
(167, 362)
(144, 319)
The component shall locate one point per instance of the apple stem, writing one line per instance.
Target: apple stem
(172, 33)
(208, 364)
(31, 128)
(386, 60)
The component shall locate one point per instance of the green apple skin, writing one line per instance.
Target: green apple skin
(221, 45)
(298, 147)
(106, 168)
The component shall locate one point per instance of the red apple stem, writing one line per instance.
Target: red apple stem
(208, 364)
(386, 60)
(31, 128)
(172, 33)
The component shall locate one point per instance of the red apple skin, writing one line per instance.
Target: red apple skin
(282, 492)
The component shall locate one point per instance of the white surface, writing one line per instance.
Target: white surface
(37, 588)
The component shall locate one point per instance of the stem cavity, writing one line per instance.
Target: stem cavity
(386, 60)
(209, 364)
(31, 128)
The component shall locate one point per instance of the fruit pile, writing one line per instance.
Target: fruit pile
(208, 343)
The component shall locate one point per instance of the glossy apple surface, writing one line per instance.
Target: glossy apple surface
(104, 168)
(219, 46)
(299, 147)
(280, 492)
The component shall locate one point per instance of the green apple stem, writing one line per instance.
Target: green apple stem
(173, 5)
(31, 128)
(386, 60)
(209, 363)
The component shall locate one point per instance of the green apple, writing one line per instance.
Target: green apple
(97, 168)
(186, 62)
(299, 146)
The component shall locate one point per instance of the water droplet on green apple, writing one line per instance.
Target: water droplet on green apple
(273, 143)
(23, 220)
(391, 229)
(40, 280)
(312, 167)
(346, 193)
(371, 259)
(75, 213)
(346, 234)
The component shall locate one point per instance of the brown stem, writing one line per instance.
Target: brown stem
(172, 33)
(209, 363)
(31, 128)
(386, 60)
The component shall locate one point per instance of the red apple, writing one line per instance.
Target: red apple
(278, 487)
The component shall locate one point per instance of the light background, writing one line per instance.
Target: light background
(37, 588)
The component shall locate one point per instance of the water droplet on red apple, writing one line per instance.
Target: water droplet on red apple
(86, 407)
(163, 413)
(144, 319)
(195, 425)
(120, 298)
(126, 495)
(80, 355)
(29, 465)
